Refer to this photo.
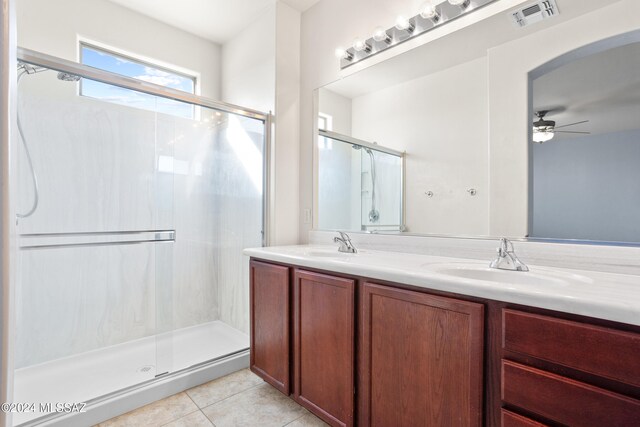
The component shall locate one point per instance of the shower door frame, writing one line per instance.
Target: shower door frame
(58, 64)
(125, 399)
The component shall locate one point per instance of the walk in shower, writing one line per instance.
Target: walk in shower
(132, 211)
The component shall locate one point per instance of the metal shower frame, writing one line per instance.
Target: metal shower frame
(62, 65)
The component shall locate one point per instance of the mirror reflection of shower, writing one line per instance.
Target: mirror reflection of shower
(358, 191)
(374, 215)
(27, 69)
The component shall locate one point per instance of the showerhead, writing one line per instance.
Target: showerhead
(68, 77)
(25, 68)
(359, 147)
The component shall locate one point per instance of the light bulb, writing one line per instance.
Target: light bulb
(429, 11)
(462, 3)
(359, 45)
(341, 53)
(403, 24)
(543, 136)
(380, 35)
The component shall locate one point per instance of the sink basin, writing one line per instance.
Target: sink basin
(534, 277)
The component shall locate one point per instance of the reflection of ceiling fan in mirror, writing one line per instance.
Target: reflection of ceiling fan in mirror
(544, 130)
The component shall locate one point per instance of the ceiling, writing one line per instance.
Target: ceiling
(214, 20)
(603, 88)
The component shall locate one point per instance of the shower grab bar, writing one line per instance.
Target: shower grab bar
(94, 238)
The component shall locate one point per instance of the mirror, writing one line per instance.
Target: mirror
(442, 112)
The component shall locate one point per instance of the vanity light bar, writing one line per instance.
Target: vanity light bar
(433, 13)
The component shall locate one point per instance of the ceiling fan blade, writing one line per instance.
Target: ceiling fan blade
(571, 124)
(568, 131)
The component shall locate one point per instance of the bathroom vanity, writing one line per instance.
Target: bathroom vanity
(384, 339)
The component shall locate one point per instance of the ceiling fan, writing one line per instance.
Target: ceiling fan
(545, 130)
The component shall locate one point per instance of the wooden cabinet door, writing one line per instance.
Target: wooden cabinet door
(421, 359)
(323, 326)
(270, 316)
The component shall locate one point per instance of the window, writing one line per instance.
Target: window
(325, 121)
(119, 64)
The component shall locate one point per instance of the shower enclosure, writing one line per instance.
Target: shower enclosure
(360, 185)
(132, 211)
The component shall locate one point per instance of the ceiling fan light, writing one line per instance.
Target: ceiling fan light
(541, 136)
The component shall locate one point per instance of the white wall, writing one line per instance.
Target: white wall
(53, 27)
(286, 144)
(441, 121)
(337, 107)
(249, 65)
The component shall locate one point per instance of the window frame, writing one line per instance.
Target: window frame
(193, 76)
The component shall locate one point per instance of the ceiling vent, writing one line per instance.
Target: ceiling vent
(535, 12)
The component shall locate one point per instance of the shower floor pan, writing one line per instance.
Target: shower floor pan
(96, 373)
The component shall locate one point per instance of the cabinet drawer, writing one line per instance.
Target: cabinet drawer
(593, 349)
(564, 400)
(509, 419)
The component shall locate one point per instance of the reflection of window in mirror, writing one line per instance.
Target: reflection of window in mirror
(325, 122)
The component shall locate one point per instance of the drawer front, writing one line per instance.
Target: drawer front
(564, 400)
(592, 349)
(509, 419)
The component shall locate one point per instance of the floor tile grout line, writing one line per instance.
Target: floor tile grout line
(232, 395)
(180, 417)
(191, 398)
(208, 419)
(293, 421)
(217, 401)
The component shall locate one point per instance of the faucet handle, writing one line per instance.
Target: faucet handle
(506, 246)
(344, 236)
(345, 243)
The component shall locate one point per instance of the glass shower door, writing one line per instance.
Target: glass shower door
(96, 255)
(218, 172)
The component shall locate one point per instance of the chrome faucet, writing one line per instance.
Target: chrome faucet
(507, 259)
(345, 243)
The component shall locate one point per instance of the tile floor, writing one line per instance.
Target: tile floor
(239, 399)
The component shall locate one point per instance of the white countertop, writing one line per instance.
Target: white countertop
(607, 296)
